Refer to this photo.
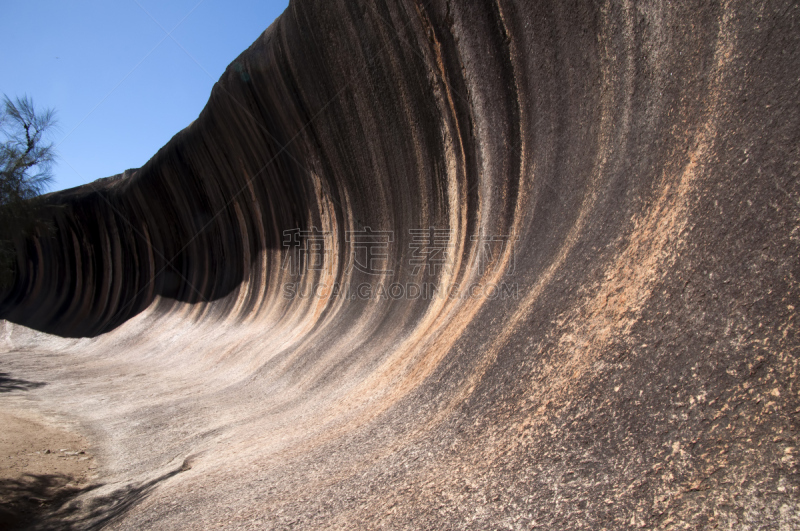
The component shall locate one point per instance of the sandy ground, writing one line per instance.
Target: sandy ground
(42, 465)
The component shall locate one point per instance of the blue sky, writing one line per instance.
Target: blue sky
(120, 86)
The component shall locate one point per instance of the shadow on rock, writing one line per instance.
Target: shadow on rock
(8, 384)
(52, 502)
(25, 500)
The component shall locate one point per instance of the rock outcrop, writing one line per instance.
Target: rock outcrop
(445, 265)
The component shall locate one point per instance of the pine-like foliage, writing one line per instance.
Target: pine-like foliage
(26, 160)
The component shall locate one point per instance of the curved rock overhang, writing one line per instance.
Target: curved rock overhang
(601, 200)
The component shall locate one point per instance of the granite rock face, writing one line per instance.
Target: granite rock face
(446, 265)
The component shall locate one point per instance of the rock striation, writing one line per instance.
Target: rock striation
(434, 265)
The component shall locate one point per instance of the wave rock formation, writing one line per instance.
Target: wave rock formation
(445, 265)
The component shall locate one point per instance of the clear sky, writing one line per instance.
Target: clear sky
(121, 87)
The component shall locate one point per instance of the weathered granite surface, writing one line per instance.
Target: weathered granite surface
(643, 158)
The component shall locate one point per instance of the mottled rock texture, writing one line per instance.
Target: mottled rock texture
(643, 156)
